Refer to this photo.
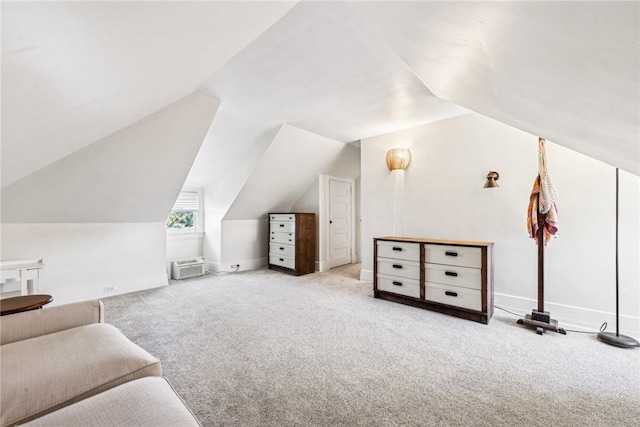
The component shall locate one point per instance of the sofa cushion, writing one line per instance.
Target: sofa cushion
(42, 374)
(145, 402)
(33, 323)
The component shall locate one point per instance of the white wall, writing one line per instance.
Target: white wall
(291, 163)
(133, 175)
(183, 246)
(443, 198)
(81, 260)
(347, 165)
(283, 175)
(244, 242)
(233, 147)
(97, 217)
(180, 246)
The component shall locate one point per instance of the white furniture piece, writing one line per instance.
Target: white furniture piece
(448, 276)
(292, 242)
(24, 272)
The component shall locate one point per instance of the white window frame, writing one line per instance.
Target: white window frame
(199, 225)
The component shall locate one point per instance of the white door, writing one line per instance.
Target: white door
(340, 227)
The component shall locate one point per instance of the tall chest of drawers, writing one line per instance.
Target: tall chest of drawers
(448, 276)
(292, 242)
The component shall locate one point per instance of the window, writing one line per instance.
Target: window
(186, 213)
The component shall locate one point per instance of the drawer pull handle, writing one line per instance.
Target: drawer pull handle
(290, 240)
(451, 273)
(282, 249)
(281, 225)
(281, 259)
(397, 248)
(397, 283)
(451, 294)
(397, 266)
(451, 253)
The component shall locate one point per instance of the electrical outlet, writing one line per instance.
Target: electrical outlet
(109, 289)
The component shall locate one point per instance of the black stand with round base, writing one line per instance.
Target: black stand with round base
(609, 337)
(618, 340)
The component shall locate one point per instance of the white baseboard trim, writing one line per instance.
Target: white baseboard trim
(366, 276)
(245, 265)
(570, 316)
(97, 290)
(321, 266)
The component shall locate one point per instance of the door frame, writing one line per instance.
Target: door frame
(324, 263)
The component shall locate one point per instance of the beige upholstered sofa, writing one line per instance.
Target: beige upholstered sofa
(63, 366)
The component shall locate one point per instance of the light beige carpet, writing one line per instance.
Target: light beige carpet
(263, 348)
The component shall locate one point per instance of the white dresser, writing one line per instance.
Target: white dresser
(398, 268)
(452, 277)
(292, 242)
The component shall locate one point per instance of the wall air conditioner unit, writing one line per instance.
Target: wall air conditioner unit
(187, 268)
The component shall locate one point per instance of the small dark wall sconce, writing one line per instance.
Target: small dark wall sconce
(492, 177)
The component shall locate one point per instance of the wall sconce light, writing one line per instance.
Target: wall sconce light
(398, 158)
(492, 177)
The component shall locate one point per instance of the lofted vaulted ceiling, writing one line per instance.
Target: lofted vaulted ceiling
(566, 70)
(75, 72)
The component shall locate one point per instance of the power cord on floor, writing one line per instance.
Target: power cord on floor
(235, 270)
(602, 327)
(510, 312)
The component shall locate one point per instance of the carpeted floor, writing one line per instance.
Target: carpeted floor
(263, 348)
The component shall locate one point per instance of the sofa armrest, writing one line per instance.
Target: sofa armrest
(34, 323)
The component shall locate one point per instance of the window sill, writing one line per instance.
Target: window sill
(185, 235)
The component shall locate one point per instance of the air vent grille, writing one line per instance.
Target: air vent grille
(184, 269)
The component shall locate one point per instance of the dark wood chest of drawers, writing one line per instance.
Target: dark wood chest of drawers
(448, 276)
(292, 242)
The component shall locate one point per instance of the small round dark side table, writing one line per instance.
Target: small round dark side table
(23, 303)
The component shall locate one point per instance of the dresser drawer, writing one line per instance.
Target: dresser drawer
(453, 275)
(399, 267)
(453, 295)
(282, 261)
(282, 250)
(397, 285)
(399, 250)
(281, 237)
(286, 226)
(453, 255)
(282, 217)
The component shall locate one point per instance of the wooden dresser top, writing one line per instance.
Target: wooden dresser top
(434, 241)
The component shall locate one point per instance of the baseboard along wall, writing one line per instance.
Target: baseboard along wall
(215, 267)
(567, 316)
